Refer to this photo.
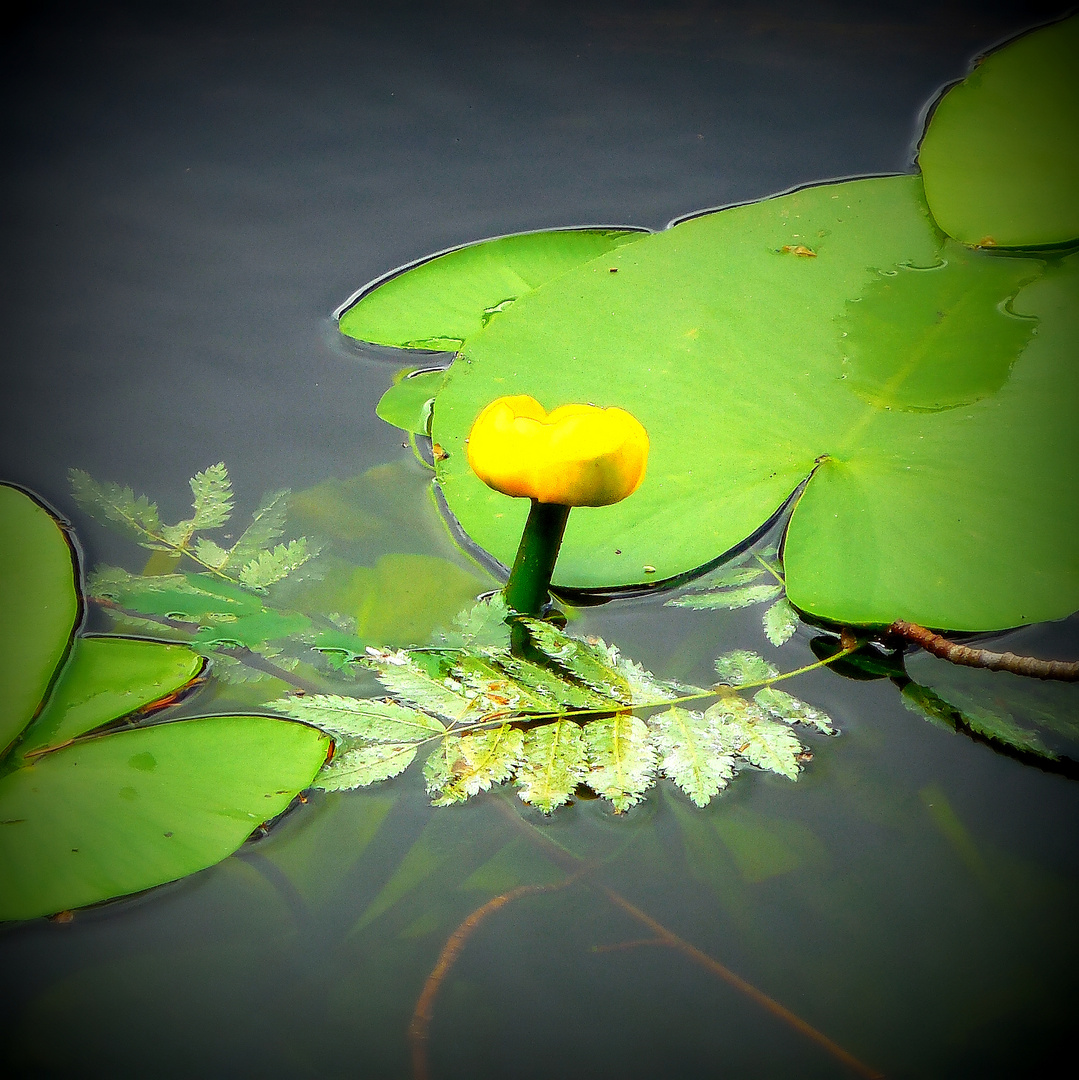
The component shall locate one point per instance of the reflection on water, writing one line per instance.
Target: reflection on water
(189, 199)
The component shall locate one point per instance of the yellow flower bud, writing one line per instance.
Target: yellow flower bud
(577, 455)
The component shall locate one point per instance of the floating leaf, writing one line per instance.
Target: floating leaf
(621, 759)
(361, 718)
(466, 765)
(793, 710)
(552, 690)
(553, 764)
(39, 605)
(741, 666)
(1000, 156)
(780, 622)
(406, 680)
(691, 754)
(440, 301)
(710, 327)
(744, 729)
(360, 766)
(120, 813)
(106, 678)
(252, 631)
(407, 403)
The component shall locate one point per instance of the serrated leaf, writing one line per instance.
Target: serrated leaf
(727, 577)
(267, 524)
(272, 566)
(586, 662)
(621, 759)
(361, 718)
(728, 599)
(466, 765)
(404, 679)
(743, 728)
(553, 764)
(546, 685)
(120, 505)
(1005, 730)
(481, 626)
(364, 765)
(690, 753)
(211, 554)
(491, 689)
(741, 666)
(780, 622)
(212, 490)
(793, 710)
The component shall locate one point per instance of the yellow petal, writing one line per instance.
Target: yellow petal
(578, 455)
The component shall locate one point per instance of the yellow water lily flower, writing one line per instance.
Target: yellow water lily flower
(576, 455)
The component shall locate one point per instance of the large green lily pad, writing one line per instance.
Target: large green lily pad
(120, 813)
(39, 606)
(106, 678)
(451, 296)
(1000, 156)
(831, 337)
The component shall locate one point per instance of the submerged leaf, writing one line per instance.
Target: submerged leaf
(120, 505)
(784, 706)
(780, 622)
(272, 566)
(213, 498)
(728, 599)
(621, 760)
(267, 524)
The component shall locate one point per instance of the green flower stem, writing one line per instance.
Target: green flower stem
(530, 578)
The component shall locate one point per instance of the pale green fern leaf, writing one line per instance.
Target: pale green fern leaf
(728, 599)
(212, 490)
(492, 689)
(587, 662)
(472, 763)
(621, 759)
(553, 763)
(363, 765)
(780, 622)
(691, 754)
(546, 685)
(740, 667)
(482, 626)
(210, 554)
(407, 681)
(361, 718)
(267, 524)
(793, 710)
(119, 505)
(272, 566)
(742, 728)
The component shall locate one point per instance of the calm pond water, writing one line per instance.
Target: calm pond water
(188, 197)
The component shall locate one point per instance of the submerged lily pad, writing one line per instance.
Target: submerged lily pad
(124, 812)
(1001, 153)
(39, 605)
(407, 404)
(451, 296)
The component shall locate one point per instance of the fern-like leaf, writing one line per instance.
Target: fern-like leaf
(728, 599)
(267, 524)
(407, 681)
(210, 554)
(691, 754)
(553, 764)
(469, 764)
(482, 626)
(272, 566)
(743, 728)
(110, 502)
(793, 710)
(621, 759)
(546, 686)
(361, 718)
(740, 667)
(780, 622)
(212, 490)
(363, 765)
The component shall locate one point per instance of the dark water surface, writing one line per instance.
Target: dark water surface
(187, 196)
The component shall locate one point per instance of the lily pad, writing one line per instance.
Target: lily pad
(106, 678)
(121, 813)
(39, 605)
(407, 404)
(450, 296)
(1000, 156)
(728, 344)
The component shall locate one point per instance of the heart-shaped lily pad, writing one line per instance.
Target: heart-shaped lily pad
(1000, 156)
(831, 336)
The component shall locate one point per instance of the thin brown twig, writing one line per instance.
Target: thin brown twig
(419, 1028)
(568, 861)
(934, 643)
